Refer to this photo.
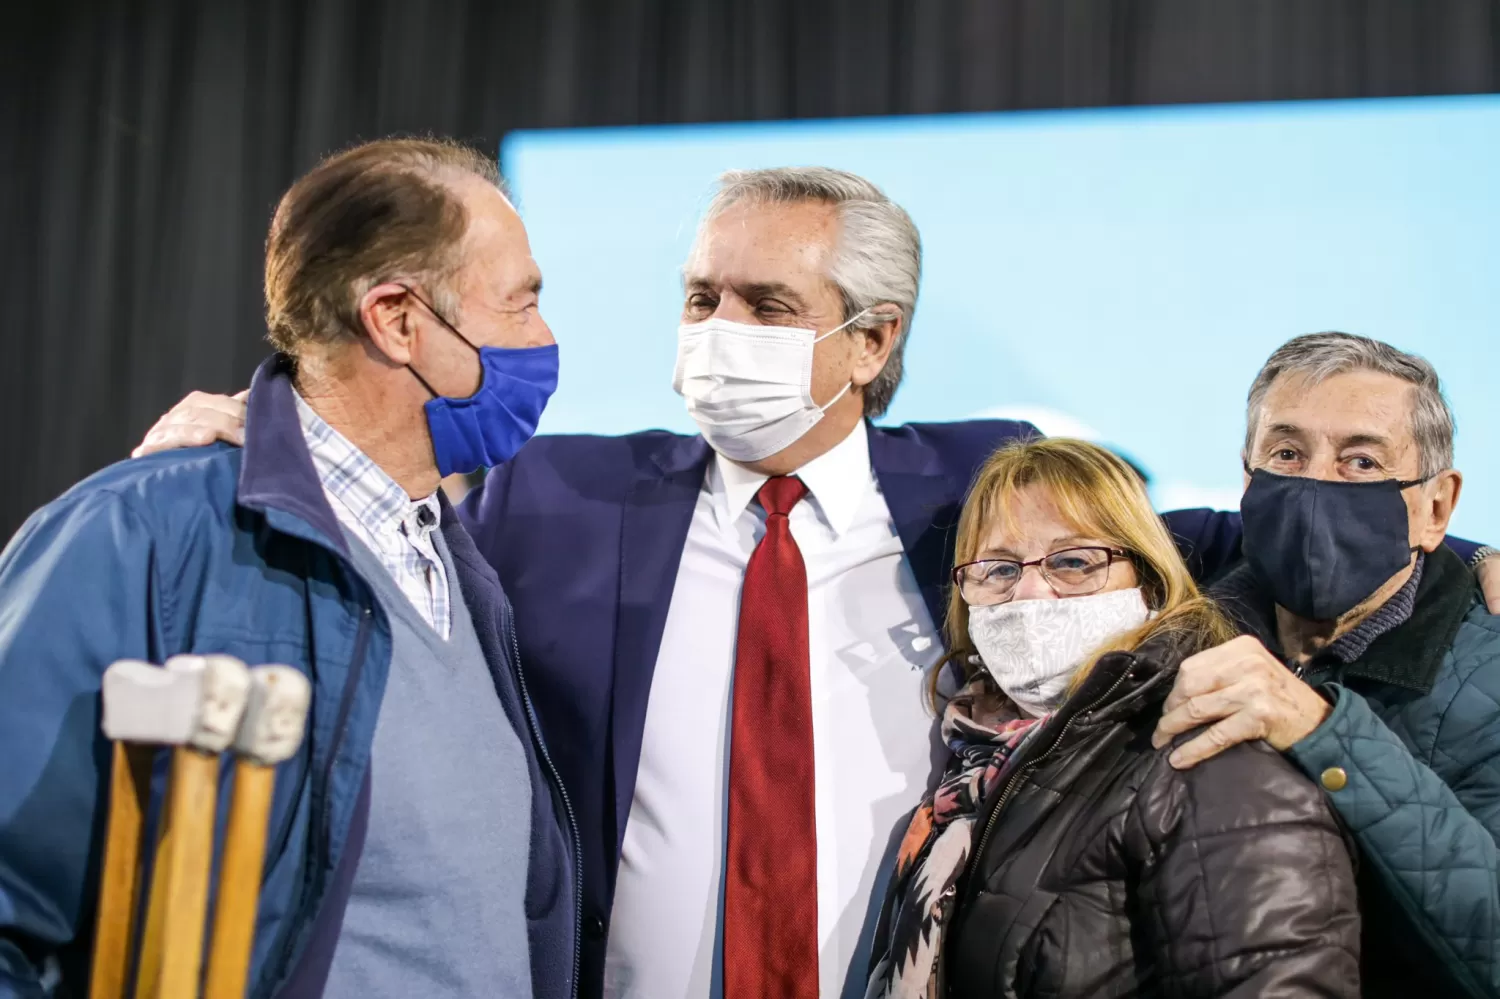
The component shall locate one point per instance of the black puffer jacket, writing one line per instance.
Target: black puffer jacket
(1101, 871)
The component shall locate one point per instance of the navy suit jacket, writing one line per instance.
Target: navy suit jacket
(586, 534)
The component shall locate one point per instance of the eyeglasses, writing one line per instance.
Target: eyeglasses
(1071, 572)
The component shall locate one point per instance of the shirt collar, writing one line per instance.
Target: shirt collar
(837, 480)
(362, 487)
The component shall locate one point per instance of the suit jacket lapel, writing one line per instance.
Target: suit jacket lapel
(658, 510)
(657, 513)
(924, 502)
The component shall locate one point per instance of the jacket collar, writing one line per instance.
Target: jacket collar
(672, 454)
(924, 501)
(1408, 655)
(461, 546)
(277, 477)
(1123, 683)
(658, 509)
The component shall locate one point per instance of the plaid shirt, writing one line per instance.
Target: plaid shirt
(376, 511)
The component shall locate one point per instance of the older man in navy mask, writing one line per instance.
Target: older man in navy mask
(726, 633)
(1368, 657)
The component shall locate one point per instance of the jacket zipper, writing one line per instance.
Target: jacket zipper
(562, 791)
(346, 702)
(1021, 772)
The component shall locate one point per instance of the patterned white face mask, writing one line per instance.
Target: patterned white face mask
(1033, 647)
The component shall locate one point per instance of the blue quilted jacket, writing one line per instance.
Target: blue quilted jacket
(1415, 736)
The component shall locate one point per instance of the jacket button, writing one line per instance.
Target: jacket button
(1334, 779)
(594, 927)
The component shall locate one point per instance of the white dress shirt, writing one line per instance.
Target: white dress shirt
(374, 509)
(874, 742)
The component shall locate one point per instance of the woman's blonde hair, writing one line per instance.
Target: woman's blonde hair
(1099, 496)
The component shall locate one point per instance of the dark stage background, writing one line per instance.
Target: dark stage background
(144, 144)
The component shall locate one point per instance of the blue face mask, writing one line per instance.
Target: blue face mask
(488, 428)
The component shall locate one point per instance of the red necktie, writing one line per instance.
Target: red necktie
(771, 883)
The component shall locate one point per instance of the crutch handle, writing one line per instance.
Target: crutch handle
(271, 732)
(195, 704)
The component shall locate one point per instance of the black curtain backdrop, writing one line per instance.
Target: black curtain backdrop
(144, 142)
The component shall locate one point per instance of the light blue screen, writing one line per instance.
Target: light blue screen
(1119, 274)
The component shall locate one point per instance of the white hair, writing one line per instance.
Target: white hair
(877, 260)
(1317, 356)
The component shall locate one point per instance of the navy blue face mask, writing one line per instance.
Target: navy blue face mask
(1319, 547)
(488, 428)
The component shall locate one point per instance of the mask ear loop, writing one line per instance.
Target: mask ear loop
(847, 322)
(841, 393)
(1407, 485)
(453, 329)
(817, 340)
(430, 390)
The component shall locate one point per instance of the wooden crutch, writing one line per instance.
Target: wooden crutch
(270, 733)
(193, 704)
(119, 882)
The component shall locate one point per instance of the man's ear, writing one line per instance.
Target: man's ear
(877, 344)
(1436, 504)
(384, 313)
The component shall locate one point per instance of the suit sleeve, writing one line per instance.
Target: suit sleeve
(1465, 549)
(1246, 887)
(1209, 541)
(1433, 844)
(74, 590)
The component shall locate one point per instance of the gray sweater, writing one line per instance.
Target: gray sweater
(437, 907)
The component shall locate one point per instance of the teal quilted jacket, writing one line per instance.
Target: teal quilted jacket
(1410, 758)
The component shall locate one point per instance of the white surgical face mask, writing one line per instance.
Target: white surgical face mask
(1033, 647)
(749, 388)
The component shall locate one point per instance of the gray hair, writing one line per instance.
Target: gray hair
(1318, 356)
(878, 258)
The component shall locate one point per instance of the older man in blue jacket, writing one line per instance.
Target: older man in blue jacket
(421, 842)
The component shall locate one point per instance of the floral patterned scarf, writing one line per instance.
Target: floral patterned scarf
(984, 731)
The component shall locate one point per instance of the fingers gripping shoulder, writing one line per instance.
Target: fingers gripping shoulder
(199, 419)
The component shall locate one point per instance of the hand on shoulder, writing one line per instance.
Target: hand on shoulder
(1488, 574)
(1241, 693)
(199, 419)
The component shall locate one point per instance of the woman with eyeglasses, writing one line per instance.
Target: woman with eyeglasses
(1062, 855)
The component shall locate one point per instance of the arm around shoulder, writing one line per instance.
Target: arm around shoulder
(75, 587)
(1246, 884)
